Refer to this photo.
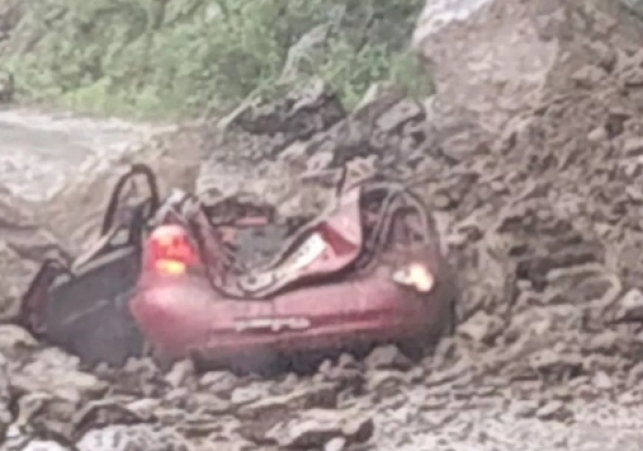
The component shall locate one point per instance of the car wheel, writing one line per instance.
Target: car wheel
(417, 347)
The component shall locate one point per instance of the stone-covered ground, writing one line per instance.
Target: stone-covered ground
(541, 214)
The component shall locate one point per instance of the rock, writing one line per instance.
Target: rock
(211, 404)
(597, 135)
(6, 417)
(606, 343)
(315, 428)
(631, 306)
(66, 383)
(298, 114)
(510, 55)
(44, 445)
(526, 409)
(356, 142)
(180, 374)
(635, 376)
(553, 410)
(481, 328)
(130, 438)
(602, 381)
(144, 408)
(388, 357)
(51, 391)
(45, 412)
(588, 76)
(404, 112)
(228, 445)
(385, 383)
(633, 147)
(348, 362)
(606, 55)
(105, 412)
(278, 132)
(335, 444)
(248, 394)
(347, 375)
(16, 341)
(177, 397)
(274, 407)
(219, 383)
(140, 376)
(556, 366)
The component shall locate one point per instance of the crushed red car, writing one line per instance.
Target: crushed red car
(229, 282)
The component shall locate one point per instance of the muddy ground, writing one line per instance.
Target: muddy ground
(542, 219)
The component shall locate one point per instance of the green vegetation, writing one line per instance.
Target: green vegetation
(164, 58)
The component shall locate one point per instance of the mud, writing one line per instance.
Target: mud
(541, 213)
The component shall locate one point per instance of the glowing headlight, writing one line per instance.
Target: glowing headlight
(416, 276)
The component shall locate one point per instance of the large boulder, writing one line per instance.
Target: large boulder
(493, 60)
(538, 106)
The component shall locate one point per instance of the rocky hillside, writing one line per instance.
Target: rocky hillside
(176, 57)
(530, 155)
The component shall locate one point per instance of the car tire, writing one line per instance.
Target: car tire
(417, 347)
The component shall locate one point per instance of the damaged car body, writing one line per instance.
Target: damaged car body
(182, 279)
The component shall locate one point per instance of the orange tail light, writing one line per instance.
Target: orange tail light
(170, 251)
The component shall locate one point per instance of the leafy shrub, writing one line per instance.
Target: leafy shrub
(158, 58)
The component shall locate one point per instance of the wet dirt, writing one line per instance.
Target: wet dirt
(543, 220)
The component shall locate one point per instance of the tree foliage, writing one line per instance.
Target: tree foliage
(177, 57)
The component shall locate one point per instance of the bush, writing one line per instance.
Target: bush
(160, 58)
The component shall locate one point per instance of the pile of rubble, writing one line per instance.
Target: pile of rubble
(533, 175)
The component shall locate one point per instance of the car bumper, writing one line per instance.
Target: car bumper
(181, 330)
(327, 337)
